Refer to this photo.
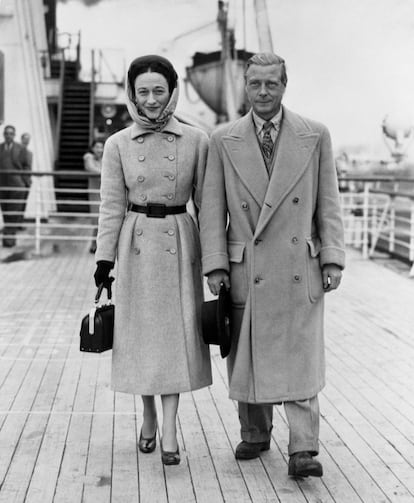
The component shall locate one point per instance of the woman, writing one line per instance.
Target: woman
(92, 162)
(149, 172)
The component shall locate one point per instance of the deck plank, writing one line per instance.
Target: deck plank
(65, 437)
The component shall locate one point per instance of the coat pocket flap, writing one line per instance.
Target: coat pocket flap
(315, 246)
(236, 251)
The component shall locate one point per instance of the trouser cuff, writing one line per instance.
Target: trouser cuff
(313, 449)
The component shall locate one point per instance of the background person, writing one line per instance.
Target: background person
(92, 162)
(271, 230)
(149, 172)
(14, 188)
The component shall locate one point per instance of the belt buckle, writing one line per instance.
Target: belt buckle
(156, 210)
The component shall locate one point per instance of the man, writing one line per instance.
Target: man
(13, 186)
(271, 231)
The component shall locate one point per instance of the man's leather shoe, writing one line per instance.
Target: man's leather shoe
(302, 464)
(251, 450)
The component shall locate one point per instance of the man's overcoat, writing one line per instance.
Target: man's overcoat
(273, 236)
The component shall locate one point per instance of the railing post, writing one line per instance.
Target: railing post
(411, 248)
(391, 244)
(365, 229)
(38, 214)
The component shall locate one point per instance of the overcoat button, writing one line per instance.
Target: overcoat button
(173, 251)
(296, 277)
(257, 279)
(139, 232)
(295, 200)
(170, 138)
(141, 178)
(171, 177)
(170, 196)
(295, 240)
(140, 139)
(257, 241)
(141, 158)
(171, 232)
(137, 251)
(143, 197)
(171, 157)
(244, 206)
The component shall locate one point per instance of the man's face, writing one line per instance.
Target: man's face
(25, 139)
(9, 134)
(264, 89)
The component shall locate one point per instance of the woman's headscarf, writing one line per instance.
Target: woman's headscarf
(156, 64)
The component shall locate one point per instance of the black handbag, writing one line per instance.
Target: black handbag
(97, 327)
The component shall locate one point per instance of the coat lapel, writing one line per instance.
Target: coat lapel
(243, 150)
(296, 147)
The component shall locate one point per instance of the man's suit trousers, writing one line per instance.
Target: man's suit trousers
(302, 416)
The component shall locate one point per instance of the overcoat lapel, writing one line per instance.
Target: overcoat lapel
(295, 150)
(246, 158)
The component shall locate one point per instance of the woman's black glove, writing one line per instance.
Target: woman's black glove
(101, 275)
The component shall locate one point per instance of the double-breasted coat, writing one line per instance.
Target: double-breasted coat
(273, 235)
(158, 347)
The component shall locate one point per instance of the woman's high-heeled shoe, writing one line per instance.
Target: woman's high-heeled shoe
(147, 445)
(170, 458)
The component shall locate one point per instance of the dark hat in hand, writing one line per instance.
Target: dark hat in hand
(215, 317)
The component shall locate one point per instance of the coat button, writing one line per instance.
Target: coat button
(143, 197)
(297, 278)
(171, 177)
(137, 251)
(295, 200)
(171, 232)
(170, 196)
(295, 240)
(244, 206)
(141, 158)
(257, 241)
(170, 138)
(139, 232)
(140, 139)
(141, 178)
(171, 157)
(173, 251)
(257, 279)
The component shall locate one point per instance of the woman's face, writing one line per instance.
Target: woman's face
(151, 94)
(97, 149)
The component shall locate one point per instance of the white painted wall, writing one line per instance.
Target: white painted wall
(22, 38)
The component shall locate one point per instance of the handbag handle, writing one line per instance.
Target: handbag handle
(101, 287)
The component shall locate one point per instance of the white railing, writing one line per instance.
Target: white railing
(56, 214)
(376, 214)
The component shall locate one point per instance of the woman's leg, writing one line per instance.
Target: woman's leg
(149, 424)
(169, 425)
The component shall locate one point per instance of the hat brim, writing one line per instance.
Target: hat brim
(216, 322)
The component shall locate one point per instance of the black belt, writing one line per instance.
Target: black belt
(156, 210)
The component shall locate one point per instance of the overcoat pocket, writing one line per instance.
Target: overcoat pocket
(315, 283)
(238, 272)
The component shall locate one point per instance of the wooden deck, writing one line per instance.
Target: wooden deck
(66, 437)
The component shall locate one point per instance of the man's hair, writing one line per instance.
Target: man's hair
(266, 59)
(9, 126)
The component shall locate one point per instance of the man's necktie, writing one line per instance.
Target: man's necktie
(267, 142)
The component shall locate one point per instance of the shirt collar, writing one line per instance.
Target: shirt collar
(258, 121)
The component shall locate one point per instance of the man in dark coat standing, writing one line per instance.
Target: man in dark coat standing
(14, 187)
(271, 231)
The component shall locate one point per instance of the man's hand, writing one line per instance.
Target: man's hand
(331, 277)
(217, 278)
